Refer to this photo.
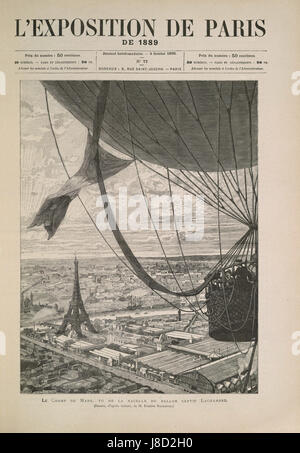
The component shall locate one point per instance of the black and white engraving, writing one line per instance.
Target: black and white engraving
(139, 237)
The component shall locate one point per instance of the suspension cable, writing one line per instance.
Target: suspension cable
(91, 218)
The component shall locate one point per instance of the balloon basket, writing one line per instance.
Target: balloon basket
(232, 313)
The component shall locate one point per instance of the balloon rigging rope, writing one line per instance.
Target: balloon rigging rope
(225, 174)
(209, 178)
(250, 101)
(91, 218)
(177, 234)
(153, 137)
(187, 147)
(231, 211)
(228, 111)
(228, 211)
(220, 244)
(142, 189)
(186, 186)
(230, 253)
(123, 262)
(66, 90)
(146, 200)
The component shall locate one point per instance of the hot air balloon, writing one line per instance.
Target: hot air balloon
(198, 135)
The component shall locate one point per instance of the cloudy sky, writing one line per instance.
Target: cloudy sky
(43, 174)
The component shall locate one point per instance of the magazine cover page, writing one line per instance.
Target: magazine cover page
(149, 230)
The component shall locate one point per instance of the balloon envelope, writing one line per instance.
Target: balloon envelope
(189, 125)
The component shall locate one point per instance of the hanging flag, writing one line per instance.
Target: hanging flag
(54, 208)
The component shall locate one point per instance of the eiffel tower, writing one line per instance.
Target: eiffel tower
(76, 314)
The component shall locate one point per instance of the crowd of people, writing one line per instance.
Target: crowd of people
(237, 276)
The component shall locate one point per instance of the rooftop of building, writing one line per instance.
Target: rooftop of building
(222, 348)
(172, 362)
(108, 353)
(222, 369)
